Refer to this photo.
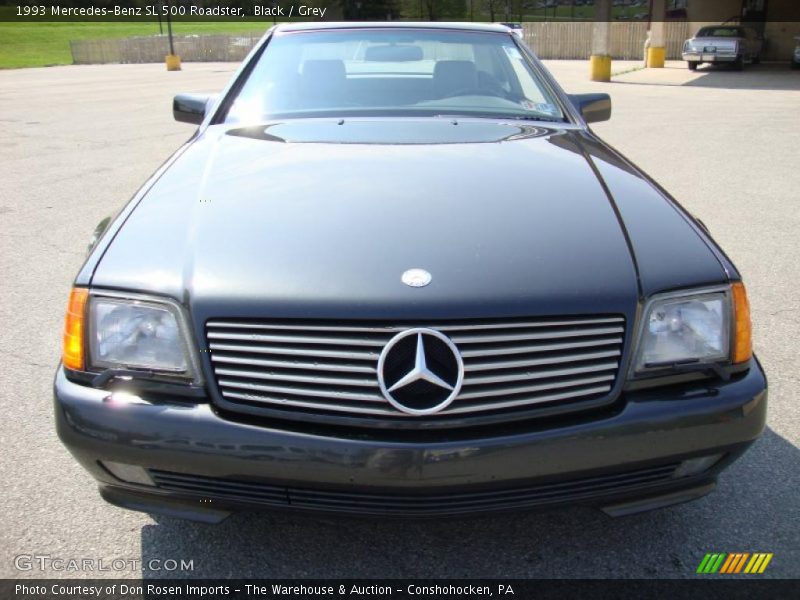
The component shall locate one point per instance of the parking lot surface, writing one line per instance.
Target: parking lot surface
(78, 141)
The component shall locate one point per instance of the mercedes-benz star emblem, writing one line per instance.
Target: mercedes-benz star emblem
(416, 277)
(420, 371)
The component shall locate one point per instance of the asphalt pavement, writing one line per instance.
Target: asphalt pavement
(78, 141)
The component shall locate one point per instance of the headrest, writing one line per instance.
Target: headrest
(393, 53)
(324, 71)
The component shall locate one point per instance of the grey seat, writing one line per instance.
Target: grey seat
(450, 76)
(323, 82)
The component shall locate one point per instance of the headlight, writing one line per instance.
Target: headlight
(139, 333)
(685, 328)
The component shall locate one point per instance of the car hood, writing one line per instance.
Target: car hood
(509, 220)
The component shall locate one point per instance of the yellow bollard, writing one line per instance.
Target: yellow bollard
(173, 62)
(656, 56)
(600, 67)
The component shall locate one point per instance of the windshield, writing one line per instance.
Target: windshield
(731, 32)
(392, 72)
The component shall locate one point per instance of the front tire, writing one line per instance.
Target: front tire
(756, 59)
(795, 65)
(692, 65)
(738, 64)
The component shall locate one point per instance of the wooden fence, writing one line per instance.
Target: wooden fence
(191, 48)
(554, 40)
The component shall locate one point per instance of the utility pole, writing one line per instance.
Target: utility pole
(172, 60)
(600, 60)
(657, 51)
(169, 30)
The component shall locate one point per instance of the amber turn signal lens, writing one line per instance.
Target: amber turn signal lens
(72, 354)
(743, 339)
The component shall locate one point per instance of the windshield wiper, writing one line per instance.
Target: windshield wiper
(502, 117)
(538, 118)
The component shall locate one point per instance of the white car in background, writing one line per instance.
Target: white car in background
(732, 44)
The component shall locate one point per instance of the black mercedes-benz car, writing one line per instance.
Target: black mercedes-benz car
(393, 272)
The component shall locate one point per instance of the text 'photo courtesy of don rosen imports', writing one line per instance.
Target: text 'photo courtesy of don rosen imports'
(238, 589)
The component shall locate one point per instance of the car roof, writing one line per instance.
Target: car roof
(316, 25)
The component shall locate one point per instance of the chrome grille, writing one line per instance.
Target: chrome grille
(332, 367)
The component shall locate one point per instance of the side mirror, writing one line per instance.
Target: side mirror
(98, 233)
(593, 107)
(190, 108)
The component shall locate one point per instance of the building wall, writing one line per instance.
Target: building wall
(780, 39)
(709, 11)
(783, 24)
(783, 10)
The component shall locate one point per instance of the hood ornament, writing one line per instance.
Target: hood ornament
(416, 278)
(420, 371)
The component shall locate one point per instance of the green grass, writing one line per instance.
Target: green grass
(27, 44)
(566, 13)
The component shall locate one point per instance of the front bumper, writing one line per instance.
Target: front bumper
(707, 57)
(206, 465)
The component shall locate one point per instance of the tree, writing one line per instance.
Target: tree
(446, 9)
(492, 6)
(370, 10)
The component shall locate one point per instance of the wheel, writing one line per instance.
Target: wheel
(738, 64)
(756, 59)
(692, 65)
(795, 65)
